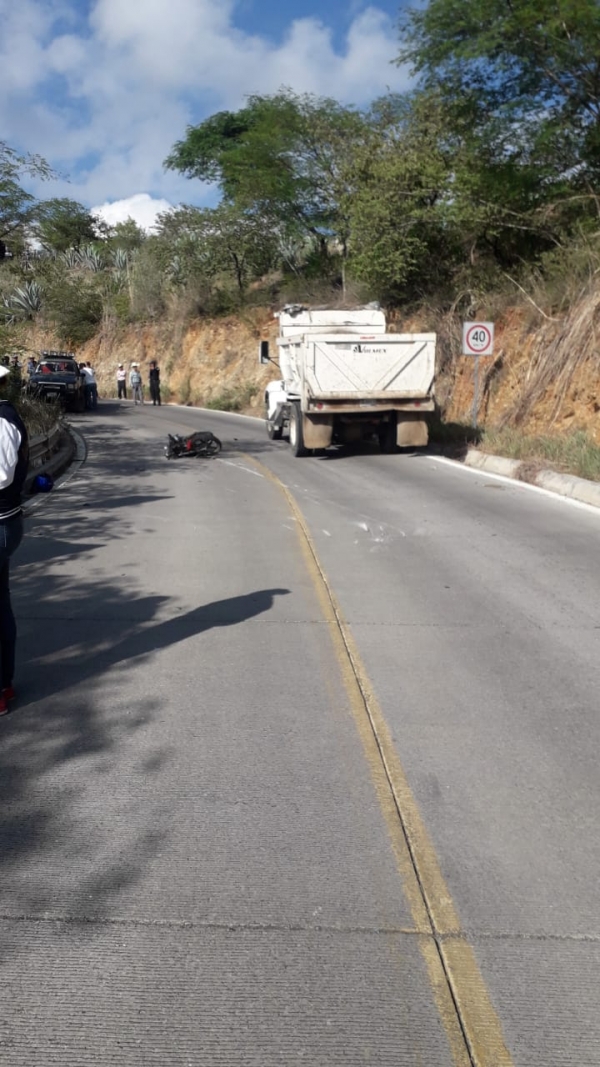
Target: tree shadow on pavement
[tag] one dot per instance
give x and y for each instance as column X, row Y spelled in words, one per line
column 82, row 816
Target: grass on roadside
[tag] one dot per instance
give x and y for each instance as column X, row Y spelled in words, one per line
column 572, row 453
column 236, row 399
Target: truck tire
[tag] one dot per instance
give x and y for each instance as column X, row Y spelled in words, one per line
column 296, row 434
column 273, row 432
column 387, row 436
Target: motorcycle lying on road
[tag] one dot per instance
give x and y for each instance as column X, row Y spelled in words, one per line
column 203, row 443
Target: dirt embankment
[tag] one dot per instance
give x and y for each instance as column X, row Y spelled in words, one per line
column 544, row 376
column 201, row 362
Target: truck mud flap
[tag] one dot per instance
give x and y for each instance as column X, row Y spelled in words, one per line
column 412, row 431
column 317, row 430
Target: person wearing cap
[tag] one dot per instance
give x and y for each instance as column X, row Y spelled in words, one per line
column 121, row 382
column 14, row 456
column 135, row 381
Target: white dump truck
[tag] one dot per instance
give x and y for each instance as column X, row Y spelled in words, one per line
column 343, row 378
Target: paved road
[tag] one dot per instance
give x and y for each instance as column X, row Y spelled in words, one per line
column 202, row 860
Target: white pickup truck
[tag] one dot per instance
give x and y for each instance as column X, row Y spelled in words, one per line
column 344, row 378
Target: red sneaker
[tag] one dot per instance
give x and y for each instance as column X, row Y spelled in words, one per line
column 9, row 693
column 3, row 705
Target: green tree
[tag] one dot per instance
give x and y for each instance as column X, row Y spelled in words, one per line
column 65, row 224
column 400, row 187
column 180, row 246
column 211, row 242
column 244, row 244
column 524, row 76
column 282, row 157
column 127, row 235
column 74, row 306
column 18, row 209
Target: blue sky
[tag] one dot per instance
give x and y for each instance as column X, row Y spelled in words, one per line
column 273, row 19
column 102, row 88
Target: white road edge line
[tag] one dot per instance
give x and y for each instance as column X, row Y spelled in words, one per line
column 215, row 411
column 515, row 483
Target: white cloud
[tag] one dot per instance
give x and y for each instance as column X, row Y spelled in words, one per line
column 133, row 77
column 141, row 207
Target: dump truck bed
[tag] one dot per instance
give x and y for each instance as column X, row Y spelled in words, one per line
column 346, row 366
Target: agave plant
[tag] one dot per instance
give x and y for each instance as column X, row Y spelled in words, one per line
column 120, row 259
column 23, row 303
column 174, row 270
column 71, row 258
column 91, row 259
column 115, row 282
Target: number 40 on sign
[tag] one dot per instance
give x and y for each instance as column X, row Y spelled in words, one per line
column 478, row 338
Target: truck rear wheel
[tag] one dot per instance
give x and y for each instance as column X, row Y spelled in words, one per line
column 296, row 433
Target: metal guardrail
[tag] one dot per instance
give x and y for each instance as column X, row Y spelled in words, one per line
column 43, row 446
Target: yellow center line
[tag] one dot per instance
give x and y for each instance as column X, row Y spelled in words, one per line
column 464, row 1005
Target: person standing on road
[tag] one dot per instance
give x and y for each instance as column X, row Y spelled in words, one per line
column 155, row 383
column 121, row 382
column 93, row 384
column 91, row 389
column 135, row 381
column 88, row 384
column 14, row 456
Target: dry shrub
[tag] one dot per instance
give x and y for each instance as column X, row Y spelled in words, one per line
column 559, row 349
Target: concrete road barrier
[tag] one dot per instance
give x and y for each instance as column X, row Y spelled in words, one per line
column 50, row 454
column 564, row 484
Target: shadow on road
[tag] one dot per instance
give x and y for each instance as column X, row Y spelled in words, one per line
column 132, row 636
column 71, row 731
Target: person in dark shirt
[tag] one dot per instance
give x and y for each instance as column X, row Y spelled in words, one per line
column 14, row 457
column 155, row 383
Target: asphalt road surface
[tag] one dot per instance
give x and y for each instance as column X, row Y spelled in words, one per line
column 304, row 764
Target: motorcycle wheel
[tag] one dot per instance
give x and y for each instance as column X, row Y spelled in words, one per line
column 212, row 448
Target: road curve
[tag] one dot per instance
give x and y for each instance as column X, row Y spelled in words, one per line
column 200, row 855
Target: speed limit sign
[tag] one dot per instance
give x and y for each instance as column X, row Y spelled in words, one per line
column 478, row 338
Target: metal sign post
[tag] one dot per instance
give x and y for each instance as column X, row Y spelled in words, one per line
column 477, row 340
column 475, row 393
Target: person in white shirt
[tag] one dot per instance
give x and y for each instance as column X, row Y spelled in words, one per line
column 93, row 383
column 121, row 382
column 89, row 383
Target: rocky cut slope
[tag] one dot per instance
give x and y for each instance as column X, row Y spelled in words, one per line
column 544, row 376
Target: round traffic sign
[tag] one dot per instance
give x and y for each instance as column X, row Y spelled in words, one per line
column 478, row 337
